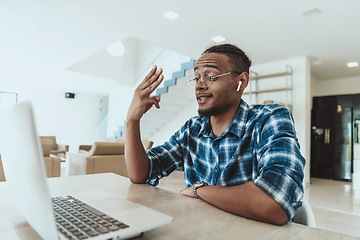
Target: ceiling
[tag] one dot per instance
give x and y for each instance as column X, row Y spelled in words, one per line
column 41, row 41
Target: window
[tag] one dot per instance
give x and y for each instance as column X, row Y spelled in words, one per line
column 7, row 98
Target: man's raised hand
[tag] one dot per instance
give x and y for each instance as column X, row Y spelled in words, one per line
column 142, row 101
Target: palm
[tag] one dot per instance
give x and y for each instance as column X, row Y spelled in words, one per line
column 142, row 101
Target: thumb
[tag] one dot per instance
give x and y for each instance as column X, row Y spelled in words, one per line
column 156, row 101
column 152, row 101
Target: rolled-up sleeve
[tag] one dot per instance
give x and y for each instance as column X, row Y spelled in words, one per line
column 280, row 163
column 164, row 159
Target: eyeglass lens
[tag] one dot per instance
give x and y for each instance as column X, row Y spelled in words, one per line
column 205, row 81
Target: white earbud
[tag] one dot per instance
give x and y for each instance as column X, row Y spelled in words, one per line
column 238, row 87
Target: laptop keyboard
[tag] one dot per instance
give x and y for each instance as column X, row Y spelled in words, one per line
column 77, row 220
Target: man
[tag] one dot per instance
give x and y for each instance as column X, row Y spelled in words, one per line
column 244, row 160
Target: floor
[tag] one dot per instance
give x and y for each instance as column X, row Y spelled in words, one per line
column 336, row 204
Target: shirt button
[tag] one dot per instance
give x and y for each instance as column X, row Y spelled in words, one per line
column 215, row 170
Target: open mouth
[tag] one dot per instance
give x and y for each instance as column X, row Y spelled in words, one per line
column 203, row 98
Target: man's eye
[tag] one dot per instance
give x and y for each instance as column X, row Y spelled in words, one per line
column 208, row 76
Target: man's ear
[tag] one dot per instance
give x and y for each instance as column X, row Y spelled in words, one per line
column 243, row 81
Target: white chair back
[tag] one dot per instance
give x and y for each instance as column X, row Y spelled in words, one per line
column 304, row 215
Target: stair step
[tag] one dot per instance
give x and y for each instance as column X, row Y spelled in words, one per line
column 175, row 97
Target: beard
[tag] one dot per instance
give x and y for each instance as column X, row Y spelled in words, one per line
column 212, row 111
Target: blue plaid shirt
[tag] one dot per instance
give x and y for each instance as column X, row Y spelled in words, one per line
column 260, row 145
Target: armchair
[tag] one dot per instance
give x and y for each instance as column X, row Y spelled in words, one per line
column 52, row 164
column 56, row 148
column 103, row 157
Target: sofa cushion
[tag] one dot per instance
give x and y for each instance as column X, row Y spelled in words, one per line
column 107, row 148
column 104, row 164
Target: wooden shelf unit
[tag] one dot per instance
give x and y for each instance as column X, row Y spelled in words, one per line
column 287, row 88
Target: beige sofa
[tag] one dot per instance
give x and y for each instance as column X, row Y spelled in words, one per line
column 52, row 164
column 103, row 157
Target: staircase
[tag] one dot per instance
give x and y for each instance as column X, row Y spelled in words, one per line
column 175, row 96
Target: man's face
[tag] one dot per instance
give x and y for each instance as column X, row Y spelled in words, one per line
column 221, row 96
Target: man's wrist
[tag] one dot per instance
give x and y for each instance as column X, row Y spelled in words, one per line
column 196, row 186
column 132, row 121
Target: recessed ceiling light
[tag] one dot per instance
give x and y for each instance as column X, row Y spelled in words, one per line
column 316, row 62
column 311, row 12
column 352, row 64
column 218, row 39
column 42, row 31
column 171, row 15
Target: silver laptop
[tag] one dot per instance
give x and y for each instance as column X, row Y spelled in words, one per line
column 51, row 218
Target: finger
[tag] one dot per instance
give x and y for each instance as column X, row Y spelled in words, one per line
column 153, row 79
column 149, row 75
column 151, row 102
column 151, row 87
column 157, row 102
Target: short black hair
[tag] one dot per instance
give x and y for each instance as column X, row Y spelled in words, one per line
column 241, row 63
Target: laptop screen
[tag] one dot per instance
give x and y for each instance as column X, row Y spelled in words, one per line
column 24, row 168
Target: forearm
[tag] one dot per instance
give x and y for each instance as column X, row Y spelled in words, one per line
column 246, row 200
column 135, row 156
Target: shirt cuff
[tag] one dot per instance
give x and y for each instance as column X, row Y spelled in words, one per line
column 288, row 194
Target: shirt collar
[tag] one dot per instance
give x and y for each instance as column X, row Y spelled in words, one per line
column 205, row 130
column 237, row 126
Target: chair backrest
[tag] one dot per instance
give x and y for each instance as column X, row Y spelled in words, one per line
column 46, row 146
column 86, row 148
column 107, row 148
column 53, row 139
column 2, row 174
column 304, row 215
column 146, row 143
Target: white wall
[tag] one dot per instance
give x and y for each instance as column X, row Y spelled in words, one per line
column 337, row 86
column 72, row 121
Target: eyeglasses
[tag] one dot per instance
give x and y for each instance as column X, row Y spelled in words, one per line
column 205, row 80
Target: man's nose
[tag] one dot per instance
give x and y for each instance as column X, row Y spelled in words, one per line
column 200, row 84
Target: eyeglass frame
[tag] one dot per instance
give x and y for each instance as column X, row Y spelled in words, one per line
column 190, row 79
